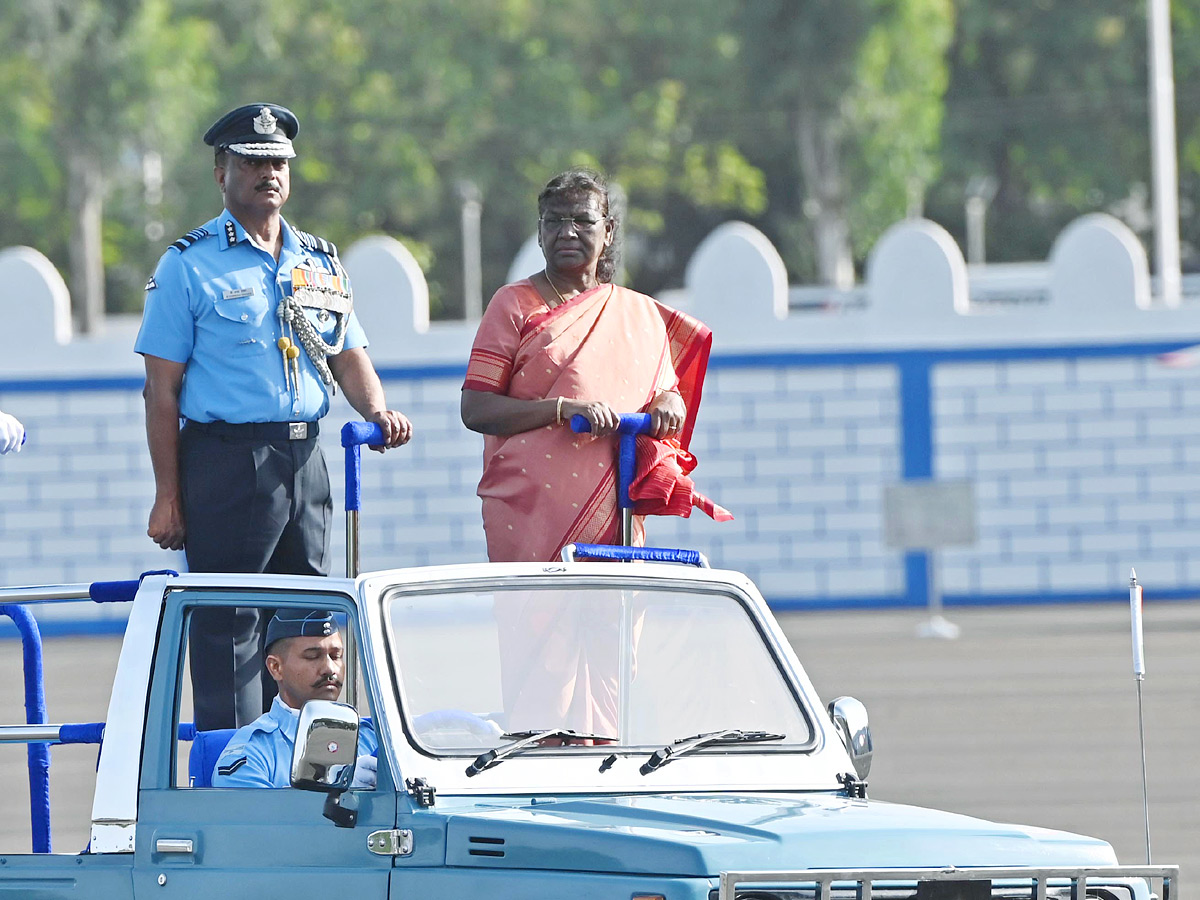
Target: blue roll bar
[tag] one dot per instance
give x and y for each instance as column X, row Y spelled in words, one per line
column 612, row 553
column 35, row 714
column 37, row 733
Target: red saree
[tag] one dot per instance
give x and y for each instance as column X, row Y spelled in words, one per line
column 545, row 488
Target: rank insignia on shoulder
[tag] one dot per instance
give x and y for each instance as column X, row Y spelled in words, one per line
column 230, row 233
column 312, row 242
column 232, row 767
column 190, row 238
column 151, row 284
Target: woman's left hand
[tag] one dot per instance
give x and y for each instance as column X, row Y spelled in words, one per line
column 667, row 415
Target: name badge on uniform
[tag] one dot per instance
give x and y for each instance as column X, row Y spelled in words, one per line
column 238, row 293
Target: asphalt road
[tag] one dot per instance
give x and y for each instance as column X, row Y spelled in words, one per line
column 1030, row 716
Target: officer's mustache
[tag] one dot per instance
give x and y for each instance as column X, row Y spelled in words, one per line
column 267, row 186
column 331, row 679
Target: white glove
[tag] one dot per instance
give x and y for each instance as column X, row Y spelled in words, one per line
column 12, row 433
column 366, row 769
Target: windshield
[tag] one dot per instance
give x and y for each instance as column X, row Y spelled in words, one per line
column 606, row 666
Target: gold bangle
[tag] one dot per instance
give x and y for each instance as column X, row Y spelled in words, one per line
column 558, row 412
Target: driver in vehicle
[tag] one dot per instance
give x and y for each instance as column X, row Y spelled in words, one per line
column 305, row 656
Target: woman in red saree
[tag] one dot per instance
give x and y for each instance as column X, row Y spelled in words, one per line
column 564, row 342
column 567, row 341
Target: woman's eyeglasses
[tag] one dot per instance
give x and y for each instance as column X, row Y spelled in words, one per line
column 556, row 223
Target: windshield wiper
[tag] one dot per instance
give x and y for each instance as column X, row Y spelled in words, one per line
column 660, row 758
column 526, row 740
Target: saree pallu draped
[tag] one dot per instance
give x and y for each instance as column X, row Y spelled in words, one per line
column 544, row 488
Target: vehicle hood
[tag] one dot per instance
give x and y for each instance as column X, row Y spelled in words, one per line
column 704, row 834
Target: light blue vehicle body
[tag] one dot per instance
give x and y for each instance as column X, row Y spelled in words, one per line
column 560, row 822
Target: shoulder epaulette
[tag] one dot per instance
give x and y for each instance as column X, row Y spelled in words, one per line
column 312, row 242
column 190, row 238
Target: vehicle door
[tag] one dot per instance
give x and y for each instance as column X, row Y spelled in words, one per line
column 205, row 842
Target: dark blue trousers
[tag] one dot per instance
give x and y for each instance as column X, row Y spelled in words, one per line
column 252, row 502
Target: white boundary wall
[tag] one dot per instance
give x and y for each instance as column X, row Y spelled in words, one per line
column 1076, row 429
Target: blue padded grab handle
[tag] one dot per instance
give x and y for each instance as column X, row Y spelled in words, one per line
column 631, row 425
column 112, row 591
column 354, row 435
column 121, row 591
column 650, row 554
column 85, row 733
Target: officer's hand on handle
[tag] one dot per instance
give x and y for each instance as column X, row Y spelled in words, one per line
column 166, row 523
column 366, row 773
column 396, row 428
column 12, row 434
column 667, row 415
column 602, row 417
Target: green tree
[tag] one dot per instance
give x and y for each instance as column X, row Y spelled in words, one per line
column 1049, row 100
column 848, row 97
column 416, row 99
column 107, row 84
column 31, row 182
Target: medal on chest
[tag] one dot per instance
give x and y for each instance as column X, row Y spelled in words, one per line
column 328, row 293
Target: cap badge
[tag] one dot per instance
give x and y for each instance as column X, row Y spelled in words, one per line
column 264, row 122
column 327, row 629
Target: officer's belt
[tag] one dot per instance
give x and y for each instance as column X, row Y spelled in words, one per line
column 259, row 431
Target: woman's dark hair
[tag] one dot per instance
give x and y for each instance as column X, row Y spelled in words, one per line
column 575, row 184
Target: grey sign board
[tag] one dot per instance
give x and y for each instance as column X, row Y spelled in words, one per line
column 927, row 514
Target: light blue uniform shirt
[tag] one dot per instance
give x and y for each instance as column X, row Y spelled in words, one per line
column 212, row 304
column 260, row 754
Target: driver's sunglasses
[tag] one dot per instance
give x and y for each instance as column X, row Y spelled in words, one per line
column 556, row 223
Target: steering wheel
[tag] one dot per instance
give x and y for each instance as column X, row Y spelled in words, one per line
column 453, row 727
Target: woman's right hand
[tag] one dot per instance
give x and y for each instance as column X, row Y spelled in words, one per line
column 602, row 417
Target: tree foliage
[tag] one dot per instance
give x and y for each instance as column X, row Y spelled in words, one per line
column 821, row 122
column 1050, row 101
column 96, row 85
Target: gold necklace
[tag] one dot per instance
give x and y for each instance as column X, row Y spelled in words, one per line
column 561, row 298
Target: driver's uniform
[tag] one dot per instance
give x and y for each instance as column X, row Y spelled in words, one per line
column 260, row 754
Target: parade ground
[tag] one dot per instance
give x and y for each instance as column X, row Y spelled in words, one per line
column 1029, row 716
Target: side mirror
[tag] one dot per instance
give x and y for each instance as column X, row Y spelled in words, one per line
column 850, row 719
column 324, row 756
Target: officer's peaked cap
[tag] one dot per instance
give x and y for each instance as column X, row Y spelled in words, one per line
column 289, row 623
column 256, row 130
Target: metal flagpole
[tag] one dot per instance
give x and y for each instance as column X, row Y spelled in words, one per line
column 1164, row 166
column 1139, row 675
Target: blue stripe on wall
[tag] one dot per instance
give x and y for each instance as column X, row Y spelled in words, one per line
column 816, row 358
